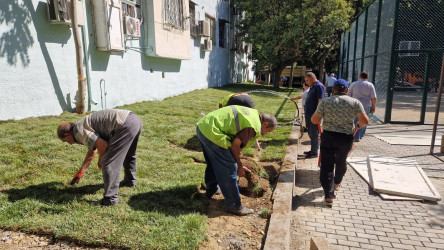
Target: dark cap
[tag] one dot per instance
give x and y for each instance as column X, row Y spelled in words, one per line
column 340, row 83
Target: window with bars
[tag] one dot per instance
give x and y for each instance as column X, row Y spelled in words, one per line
column 212, row 23
column 173, row 14
column 193, row 25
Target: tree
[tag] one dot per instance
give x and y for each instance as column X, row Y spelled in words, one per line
column 283, row 32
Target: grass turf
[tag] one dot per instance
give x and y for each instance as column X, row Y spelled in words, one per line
column 162, row 212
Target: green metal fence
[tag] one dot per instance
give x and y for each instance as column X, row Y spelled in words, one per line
column 401, row 44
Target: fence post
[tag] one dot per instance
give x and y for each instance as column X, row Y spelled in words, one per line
column 394, row 54
column 425, row 85
column 438, row 104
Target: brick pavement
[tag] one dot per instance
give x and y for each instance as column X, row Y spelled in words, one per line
column 360, row 219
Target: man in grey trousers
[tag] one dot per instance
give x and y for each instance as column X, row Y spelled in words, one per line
column 113, row 133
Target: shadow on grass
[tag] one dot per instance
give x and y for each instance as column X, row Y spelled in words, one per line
column 193, row 144
column 173, row 201
column 51, row 192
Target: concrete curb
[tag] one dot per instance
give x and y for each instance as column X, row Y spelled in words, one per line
column 278, row 234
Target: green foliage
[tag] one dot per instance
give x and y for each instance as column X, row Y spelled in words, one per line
column 161, row 212
column 284, row 32
column 264, row 213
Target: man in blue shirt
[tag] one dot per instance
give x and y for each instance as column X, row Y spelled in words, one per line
column 315, row 95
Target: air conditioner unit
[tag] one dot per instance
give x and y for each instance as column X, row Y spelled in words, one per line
column 204, row 28
column 132, row 26
column 207, row 45
column 59, row 12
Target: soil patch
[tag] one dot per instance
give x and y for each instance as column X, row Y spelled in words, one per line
column 227, row 231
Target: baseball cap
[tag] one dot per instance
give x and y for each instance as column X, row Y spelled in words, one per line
column 340, row 83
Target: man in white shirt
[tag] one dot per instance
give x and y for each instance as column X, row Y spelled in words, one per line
column 329, row 83
column 364, row 91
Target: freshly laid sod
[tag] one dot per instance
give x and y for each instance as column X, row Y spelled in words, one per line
column 164, row 210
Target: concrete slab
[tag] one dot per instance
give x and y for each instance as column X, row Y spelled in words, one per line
column 359, row 164
column 400, row 177
column 418, row 140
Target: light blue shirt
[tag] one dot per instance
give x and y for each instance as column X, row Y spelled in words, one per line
column 364, row 91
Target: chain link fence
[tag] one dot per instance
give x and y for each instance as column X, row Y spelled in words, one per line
column 401, row 44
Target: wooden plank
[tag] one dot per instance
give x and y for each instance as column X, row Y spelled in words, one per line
column 401, row 177
column 359, row 164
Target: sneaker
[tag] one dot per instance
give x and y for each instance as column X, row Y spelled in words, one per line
column 337, row 187
column 126, row 184
column 326, row 203
column 311, row 155
column 241, row 211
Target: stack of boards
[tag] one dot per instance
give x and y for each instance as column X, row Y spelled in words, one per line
column 395, row 178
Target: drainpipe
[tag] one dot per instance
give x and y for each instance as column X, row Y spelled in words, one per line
column 80, row 105
column 87, row 71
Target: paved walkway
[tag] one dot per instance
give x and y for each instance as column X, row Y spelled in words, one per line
column 360, row 219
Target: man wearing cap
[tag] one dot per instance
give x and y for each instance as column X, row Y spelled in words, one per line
column 223, row 133
column 364, row 91
column 315, row 95
column 338, row 113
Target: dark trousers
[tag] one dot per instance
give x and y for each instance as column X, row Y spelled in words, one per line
column 334, row 150
column 313, row 133
column 329, row 91
column 121, row 151
column 221, row 170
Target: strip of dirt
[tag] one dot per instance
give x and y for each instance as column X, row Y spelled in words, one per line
column 227, row 231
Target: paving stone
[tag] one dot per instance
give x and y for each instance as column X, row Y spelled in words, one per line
column 348, row 243
column 407, row 232
column 389, row 239
column 381, row 243
column 358, row 239
column 411, row 242
column 435, row 240
column 403, row 246
column 433, row 245
column 369, row 246
column 367, row 236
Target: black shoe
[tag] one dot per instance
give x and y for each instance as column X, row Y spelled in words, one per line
column 241, row 211
column 307, row 152
column 311, row 155
column 305, row 130
column 126, row 184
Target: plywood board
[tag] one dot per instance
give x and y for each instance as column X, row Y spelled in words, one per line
column 402, row 177
column 419, row 140
column 359, row 164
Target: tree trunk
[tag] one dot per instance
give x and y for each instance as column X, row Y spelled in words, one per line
column 277, row 76
column 290, row 83
column 321, row 71
column 80, row 105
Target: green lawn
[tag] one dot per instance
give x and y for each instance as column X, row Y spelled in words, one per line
column 162, row 212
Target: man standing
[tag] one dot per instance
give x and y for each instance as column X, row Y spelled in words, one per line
column 329, row 83
column 223, row 133
column 338, row 113
column 114, row 134
column 364, row 91
column 315, row 95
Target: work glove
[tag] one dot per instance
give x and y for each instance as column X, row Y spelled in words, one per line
column 77, row 177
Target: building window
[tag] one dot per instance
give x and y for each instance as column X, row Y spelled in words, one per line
column 212, row 22
column 173, row 14
column 222, row 35
column 193, row 25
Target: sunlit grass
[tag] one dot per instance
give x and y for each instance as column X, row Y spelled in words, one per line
column 162, row 212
